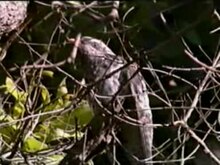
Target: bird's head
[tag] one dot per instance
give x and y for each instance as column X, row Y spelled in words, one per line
column 89, row 48
column 93, row 57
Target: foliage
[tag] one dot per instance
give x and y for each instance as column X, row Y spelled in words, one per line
column 39, row 128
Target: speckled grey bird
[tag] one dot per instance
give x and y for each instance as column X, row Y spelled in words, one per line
column 123, row 93
column 12, row 14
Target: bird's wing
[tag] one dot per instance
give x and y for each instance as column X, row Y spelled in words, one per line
column 137, row 139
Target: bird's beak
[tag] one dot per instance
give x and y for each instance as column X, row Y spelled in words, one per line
column 71, row 40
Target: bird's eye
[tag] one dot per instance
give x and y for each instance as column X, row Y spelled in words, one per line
column 95, row 45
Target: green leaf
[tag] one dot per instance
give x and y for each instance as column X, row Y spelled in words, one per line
column 8, row 133
column 18, row 109
column 45, row 95
column 48, row 73
column 11, row 88
column 64, row 126
column 31, row 144
column 62, row 89
column 61, row 133
column 43, row 131
column 83, row 114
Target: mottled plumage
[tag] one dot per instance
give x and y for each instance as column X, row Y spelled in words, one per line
column 123, row 93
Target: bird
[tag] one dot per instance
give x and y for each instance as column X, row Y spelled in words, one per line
column 119, row 98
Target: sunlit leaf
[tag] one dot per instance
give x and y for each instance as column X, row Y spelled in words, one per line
column 61, row 133
column 11, row 88
column 31, row 144
column 18, row 109
column 62, row 89
column 48, row 73
column 45, row 95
